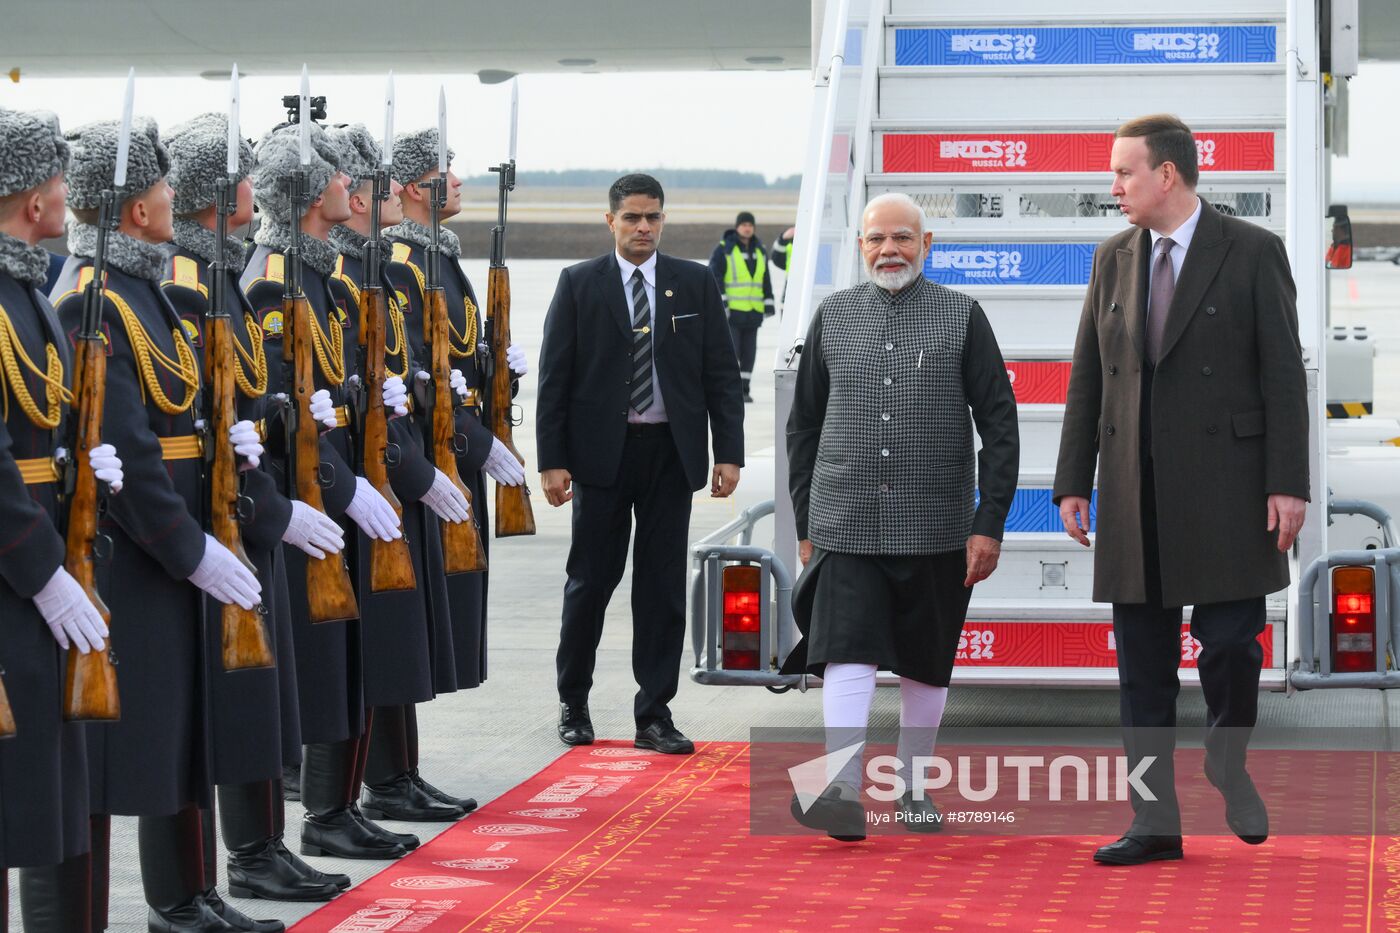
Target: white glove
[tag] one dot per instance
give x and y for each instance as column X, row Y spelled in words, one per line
column 396, row 396
column 372, row 512
column 70, row 614
column 244, row 438
column 313, row 531
column 106, row 466
column 516, row 359
column 223, row 576
column 458, row 383
column 446, row 499
column 322, row 409
column 502, row 466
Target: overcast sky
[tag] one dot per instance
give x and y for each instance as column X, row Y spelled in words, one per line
column 755, row 121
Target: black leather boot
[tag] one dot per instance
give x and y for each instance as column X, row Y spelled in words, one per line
column 255, row 868
column 408, row 841
column 236, row 918
column 171, row 853
column 279, row 830
column 401, row 799
column 291, row 782
column 100, row 835
column 410, row 734
column 331, row 826
column 57, row 898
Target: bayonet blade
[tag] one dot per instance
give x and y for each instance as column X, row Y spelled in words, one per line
column 386, row 156
column 124, row 134
column 304, row 118
column 514, row 114
column 442, row 130
column 233, row 129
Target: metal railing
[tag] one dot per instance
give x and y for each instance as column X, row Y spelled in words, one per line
column 1314, row 669
column 708, row 556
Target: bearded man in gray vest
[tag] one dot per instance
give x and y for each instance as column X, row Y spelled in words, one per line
column 893, row 376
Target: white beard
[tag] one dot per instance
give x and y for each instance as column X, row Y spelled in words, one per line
column 892, row 280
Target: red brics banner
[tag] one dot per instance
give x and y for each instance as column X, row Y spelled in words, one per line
column 1057, row 152
column 985, row 643
column 1038, row 382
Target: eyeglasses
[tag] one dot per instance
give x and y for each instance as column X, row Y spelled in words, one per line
column 902, row 240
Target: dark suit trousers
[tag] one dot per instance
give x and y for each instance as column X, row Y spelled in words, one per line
column 1149, row 644
column 651, row 482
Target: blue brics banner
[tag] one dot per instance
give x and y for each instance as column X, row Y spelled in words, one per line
column 1088, row 45
column 955, row 264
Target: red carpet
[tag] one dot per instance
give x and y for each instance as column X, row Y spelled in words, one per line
column 611, row 838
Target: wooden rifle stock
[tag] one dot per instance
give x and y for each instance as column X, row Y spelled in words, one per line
column 329, row 595
column 247, row 643
column 463, row 551
column 514, row 516
column 7, row 716
column 90, row 689
column 390, row 562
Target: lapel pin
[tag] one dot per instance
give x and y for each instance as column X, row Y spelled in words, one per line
column 669, row 293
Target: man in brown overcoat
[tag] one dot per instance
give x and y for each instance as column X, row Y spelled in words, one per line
column 1188, row 389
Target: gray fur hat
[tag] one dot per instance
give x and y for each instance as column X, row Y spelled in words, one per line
column 95, row 160
column 199, row 157
column 34, row 150
column 415, row 155
column 359, row 153
column 279, row 158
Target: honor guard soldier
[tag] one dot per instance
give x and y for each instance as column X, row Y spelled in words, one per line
column 329, row 681
column 43, row 762
column 152, row 763
column 407, row 633
column 416, row 167
column 254, row 720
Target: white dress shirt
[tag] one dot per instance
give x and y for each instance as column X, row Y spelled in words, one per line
column 656, row 412
column 1181, row 239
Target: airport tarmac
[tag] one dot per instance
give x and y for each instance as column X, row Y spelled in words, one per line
column 484, row 741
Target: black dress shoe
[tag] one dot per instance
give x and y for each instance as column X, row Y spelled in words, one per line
column 236, row 918
column 340, row 834
column 468, row 804
column 918, row 815
column 262, row 872
column 193, row 916
column 1245, row 812
column 291, row 782
column 664, row 737
column 407, row 840
column 841, row 817
column 401, row 799
column 314, row 875
column 575, row 728
column 1138, row 850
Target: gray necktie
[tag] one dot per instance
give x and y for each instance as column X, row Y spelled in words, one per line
column 1160, row 301
column 642, row 391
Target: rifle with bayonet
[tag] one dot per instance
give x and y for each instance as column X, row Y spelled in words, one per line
column 390, row 562
column 514, row 516
column 247, row 644
column 462, row 549
column 329, row 595
column 90, row 687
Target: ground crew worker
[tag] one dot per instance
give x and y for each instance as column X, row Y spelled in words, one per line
column 740, row 266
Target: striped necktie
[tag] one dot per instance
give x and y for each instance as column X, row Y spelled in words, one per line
column 642, row 390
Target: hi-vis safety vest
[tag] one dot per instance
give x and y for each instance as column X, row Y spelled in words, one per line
column 743, row 291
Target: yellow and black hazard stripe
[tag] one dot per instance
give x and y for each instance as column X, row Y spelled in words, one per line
column 1348, row 409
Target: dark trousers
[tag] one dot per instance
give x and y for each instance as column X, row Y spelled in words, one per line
column 1149, row 642
column 745, row 337
column 652, row 484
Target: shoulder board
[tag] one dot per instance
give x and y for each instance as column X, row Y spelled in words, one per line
column 349, row 283
column 184, row 272
column 84, row 277
column 276, row 269
column 402, row 251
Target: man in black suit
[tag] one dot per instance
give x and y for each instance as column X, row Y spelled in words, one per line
column 636, row 360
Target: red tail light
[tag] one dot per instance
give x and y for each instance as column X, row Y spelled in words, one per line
column 1353, row 619
column 743, row 613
